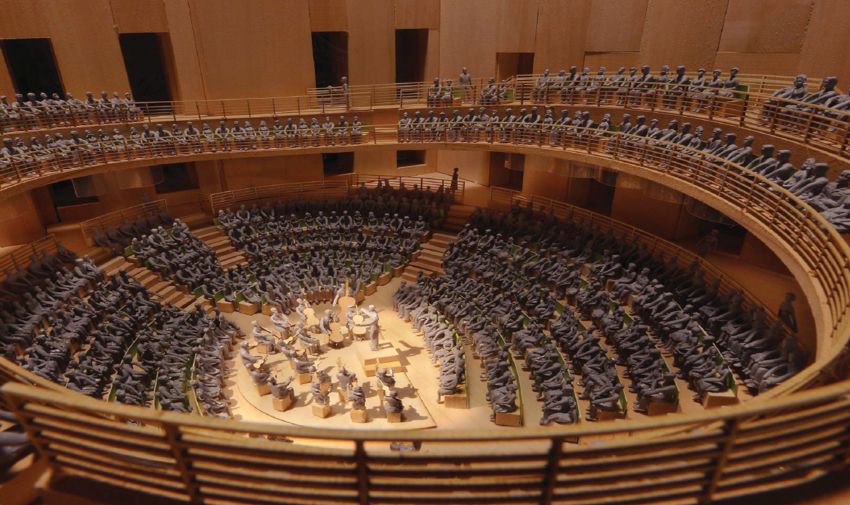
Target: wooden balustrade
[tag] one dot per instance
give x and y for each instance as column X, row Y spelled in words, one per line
column 115, row 218
column 717, row 454
column 752, row 106
column 329, row 188
column 19, row 257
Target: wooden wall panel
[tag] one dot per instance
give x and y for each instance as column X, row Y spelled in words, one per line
column 7, row 88
column 765, row 26
column 759, row 63
column 682, row 32
column 85, row 45
column 188, row 80
column 139, row 16
column 328, row 15
column 23, row 19
column 464, row 42
column 20, row 221
column 615, row 25
column 545, row 176
column 561, row 34
column 517, row 25
column 827, row 40
column 612, row 61
column 417, row 14
column 257, row 48
column 376, row 162
column 371, row 42
column 432, row 56
column 247, row 172
column 473, row 165
column 657, row 217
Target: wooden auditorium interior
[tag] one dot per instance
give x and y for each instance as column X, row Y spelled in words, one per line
column 424, row 251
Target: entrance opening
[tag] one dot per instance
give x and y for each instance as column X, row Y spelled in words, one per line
column 411, row 48
column 146, row 63
column 32, row 66
column 330, row 57
column 510, row 64
column 338, row 163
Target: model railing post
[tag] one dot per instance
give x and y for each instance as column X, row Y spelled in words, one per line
column 183, row 466
column 550, row 471
column 715, row 473
column 360, row 458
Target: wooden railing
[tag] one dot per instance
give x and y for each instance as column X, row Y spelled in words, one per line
column 330, row 188
column 325, row 189
column 20, row 257
column 431, row 184
column 752, row 106
column 714, row 455
column 117, row 217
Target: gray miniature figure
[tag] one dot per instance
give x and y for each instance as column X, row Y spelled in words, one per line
column 392, row 403
column 358, row 398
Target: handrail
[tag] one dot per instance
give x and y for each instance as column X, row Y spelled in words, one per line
column 20, row 257
column 115, row 218
column 727, row 452
column 754, row 106
column 324, row 189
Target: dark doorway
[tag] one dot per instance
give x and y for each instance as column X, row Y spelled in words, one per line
column 338, row 163
column 506, row 170
column 411, row 48
column 511, row 64
column 409, row 158
column 146, row 65
column 71, row 192
column 32, row 66
column 330, row 57
column 174, row 177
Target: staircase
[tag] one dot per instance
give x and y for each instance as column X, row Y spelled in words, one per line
column 430, row 260
column 215, row 238
column 164, row 290
column 457, row 217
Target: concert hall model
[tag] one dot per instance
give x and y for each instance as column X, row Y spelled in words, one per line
column 424, row 252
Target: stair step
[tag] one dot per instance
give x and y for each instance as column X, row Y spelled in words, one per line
column 224, row 251
column 185, row 301
column 167, row 290
column 114, row 265
column 156, row 287
column 230, row 254
column 197, row 220
column 148, row 278
column 236, row 260
column 430, row 246
column 206, row 231
column 217, row 241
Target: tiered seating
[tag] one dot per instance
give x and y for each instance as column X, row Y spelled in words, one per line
column 692, row 312
column 106, row 337
column 310, row 249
